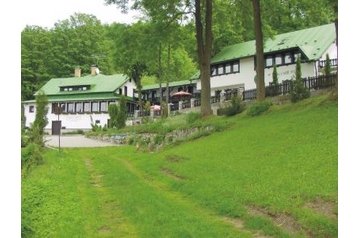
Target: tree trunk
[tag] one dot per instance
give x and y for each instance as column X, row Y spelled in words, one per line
column 336, row 25
column 167, row 75
column 160, row 71
column 260, row 70
column 204, row 45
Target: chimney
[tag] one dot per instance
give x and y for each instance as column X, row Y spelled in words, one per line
column 94, row 69
column 77, row 71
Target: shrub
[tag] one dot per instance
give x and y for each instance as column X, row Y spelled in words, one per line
column 30, row 156
column 258, row 108
column 236, row 106
column 192, row 117
column 298, row 90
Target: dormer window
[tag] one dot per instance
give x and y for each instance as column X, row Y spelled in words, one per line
column 75, row 88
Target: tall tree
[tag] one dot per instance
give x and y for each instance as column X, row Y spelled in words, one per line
column 204, row 37
column 260, row 67
column 35, row 56
column 173, row 10
column 80, row 41
column 41, row 121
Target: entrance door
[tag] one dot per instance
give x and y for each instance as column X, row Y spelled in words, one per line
column 56, row 128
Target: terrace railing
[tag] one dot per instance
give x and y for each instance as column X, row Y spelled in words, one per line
column 312, row 83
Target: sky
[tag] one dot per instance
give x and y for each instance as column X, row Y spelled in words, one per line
column 46, row 13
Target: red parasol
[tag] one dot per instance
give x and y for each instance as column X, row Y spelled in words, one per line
column 155, row 107
column 181, row 94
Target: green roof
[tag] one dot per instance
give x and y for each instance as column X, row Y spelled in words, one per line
column 171, row 84
column 98, row 84
column 312, row 42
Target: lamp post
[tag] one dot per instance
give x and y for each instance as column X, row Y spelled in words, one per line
column 58, row 111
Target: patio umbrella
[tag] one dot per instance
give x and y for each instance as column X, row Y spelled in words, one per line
column 155, row 107
column 181, row 94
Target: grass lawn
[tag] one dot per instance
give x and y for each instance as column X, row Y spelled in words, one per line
column 275, row 175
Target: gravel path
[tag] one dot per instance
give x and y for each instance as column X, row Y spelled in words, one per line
column 66, row 141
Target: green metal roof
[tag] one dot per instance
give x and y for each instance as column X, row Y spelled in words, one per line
column 82, row 97
column 312, row 42
column 99, row 84
column 171, row 84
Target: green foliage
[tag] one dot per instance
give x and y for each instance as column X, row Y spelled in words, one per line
column 122, row 114
column 113, row 111
column 236, row 106
column 298, row 90
column 258, row 108
column 191, row 117
column 75, row 132
column 36, row 132
column 31, row 156
column 274, row 75
column 147, row 106
column 327, row 66
column 118, row 114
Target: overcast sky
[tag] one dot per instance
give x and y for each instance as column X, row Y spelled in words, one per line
column 46, row 13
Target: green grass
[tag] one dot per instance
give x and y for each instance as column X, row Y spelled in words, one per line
column 274, row 175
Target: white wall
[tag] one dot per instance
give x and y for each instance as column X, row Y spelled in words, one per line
column 70, row 121
column 247, row 74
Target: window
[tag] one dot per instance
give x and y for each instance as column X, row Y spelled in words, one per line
column 220, row 69
column 70, row 107
column 95, row 107
column 213, row 71
column 269, row 61
column 75, row 88
column 86, row 107
column 104, row 106
column 125, row 90
column 235, row 67
column 296, row 56
column 63, row 107
column 32, row 109
column 79, row 107
column 288, row 58
column 227, row 68
column 278, row 59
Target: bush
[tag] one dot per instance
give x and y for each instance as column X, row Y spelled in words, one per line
column 234, row 108
column 30, row 156
column 258, row 108
column 298, row 91
column 192, row 117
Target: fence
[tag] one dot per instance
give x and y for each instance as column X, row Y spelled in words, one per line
column 312, row 83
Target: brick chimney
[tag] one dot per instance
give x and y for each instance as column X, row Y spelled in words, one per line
column 77, row 71
column 94, row 69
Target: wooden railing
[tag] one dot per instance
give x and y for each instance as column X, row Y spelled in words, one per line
column 312, row 83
